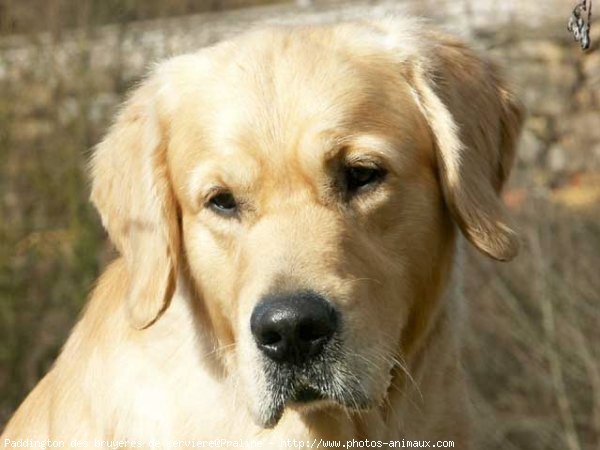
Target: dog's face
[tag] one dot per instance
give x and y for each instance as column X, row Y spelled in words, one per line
column 307, row 181
column 310, row 212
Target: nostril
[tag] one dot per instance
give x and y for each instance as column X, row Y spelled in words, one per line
column 270, row 338
column 310, row 332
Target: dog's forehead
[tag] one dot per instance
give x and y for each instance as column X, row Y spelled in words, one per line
column 291, row 95
column 273, row 94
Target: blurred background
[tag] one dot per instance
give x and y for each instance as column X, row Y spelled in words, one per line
column 533, row 353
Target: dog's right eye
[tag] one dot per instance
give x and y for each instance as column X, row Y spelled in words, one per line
column 223, row 203
column 358, row 178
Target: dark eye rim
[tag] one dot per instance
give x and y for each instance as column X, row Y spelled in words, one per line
column 223, row 202
column 361, row 177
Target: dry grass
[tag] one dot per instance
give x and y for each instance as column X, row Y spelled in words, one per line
column 533, row 352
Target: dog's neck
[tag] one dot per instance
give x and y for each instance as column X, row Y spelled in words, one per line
column 433, row 362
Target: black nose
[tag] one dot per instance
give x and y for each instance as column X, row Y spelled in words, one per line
column 293, row 327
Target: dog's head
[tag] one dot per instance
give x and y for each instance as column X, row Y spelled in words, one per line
column 308, row 181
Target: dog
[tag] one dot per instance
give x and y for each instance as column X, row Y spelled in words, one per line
column 289, row 208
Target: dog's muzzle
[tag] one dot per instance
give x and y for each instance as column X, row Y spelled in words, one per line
column 298, row 335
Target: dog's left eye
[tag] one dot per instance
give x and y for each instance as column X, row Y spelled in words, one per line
column 359, row 177
column 223, row 203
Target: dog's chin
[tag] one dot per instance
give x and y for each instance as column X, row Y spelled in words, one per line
column 272, row 406
column 305, row 400
column 268, row 416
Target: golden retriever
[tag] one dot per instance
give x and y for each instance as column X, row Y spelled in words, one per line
column 287, row 207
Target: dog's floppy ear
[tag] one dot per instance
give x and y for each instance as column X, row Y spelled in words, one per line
column 475, row 123
column 131, row 189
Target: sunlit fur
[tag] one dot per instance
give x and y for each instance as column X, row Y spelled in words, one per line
column 164, row 350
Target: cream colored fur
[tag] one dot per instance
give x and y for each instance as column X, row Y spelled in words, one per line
column 163, row 351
